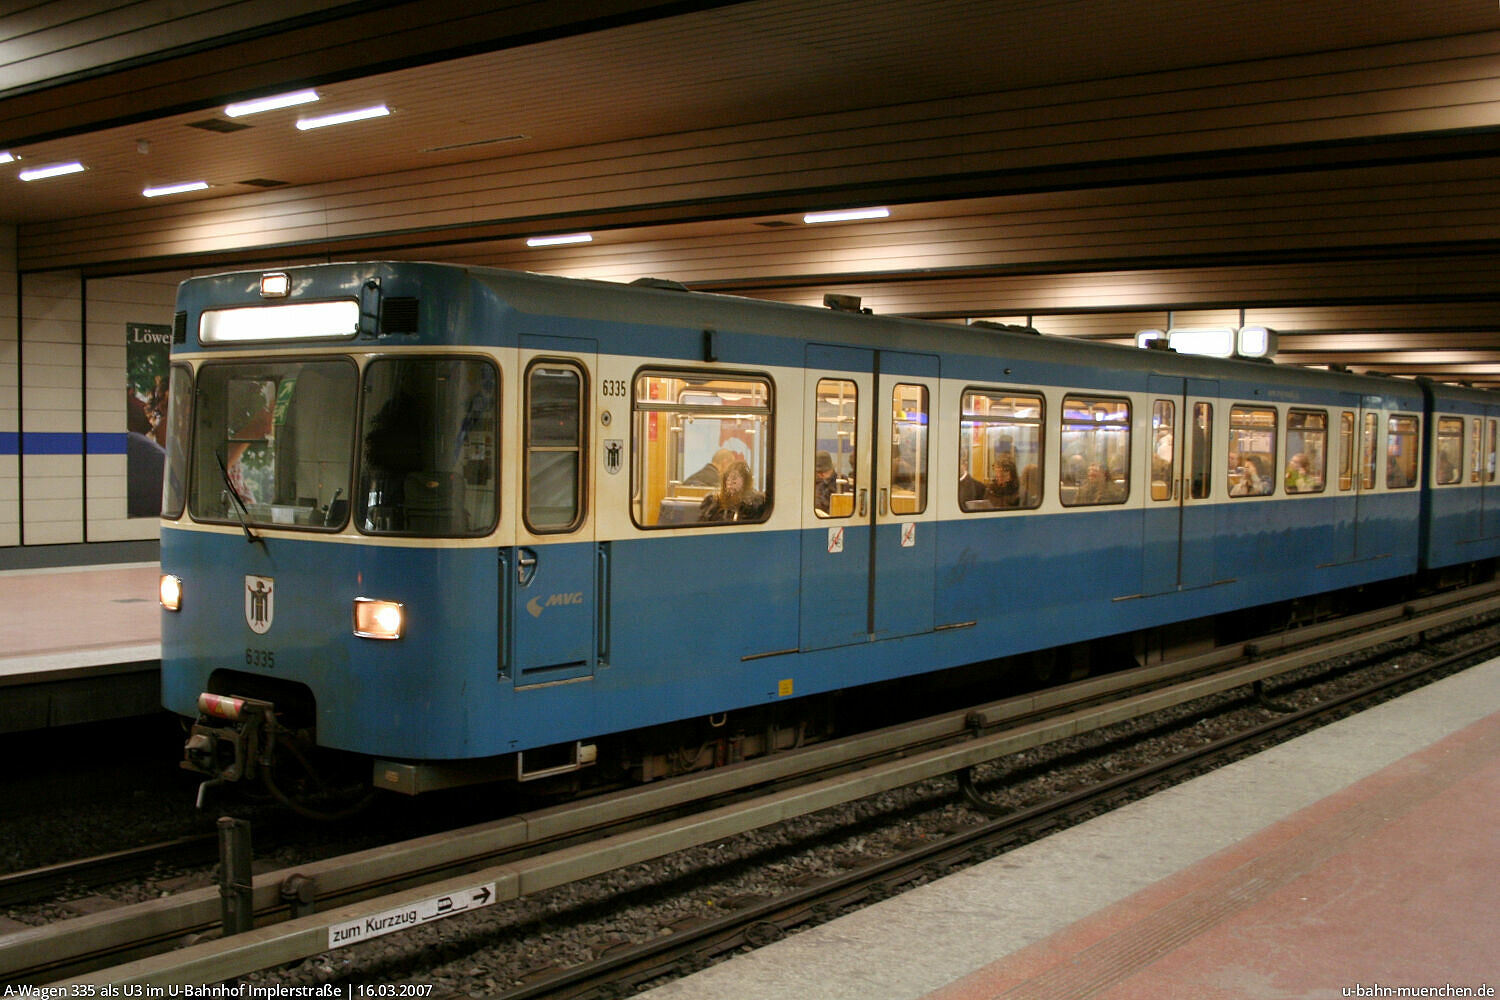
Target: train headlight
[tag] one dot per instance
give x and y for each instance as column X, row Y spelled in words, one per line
column 171, row 592
column 378, row 619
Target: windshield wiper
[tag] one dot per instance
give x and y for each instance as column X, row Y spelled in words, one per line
column 240, row 510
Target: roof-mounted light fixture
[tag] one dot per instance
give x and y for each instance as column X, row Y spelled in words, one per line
column 1213, row 342
column 846, row 215
column 158, row 192
column 7, row 157
column 560, row 241
column 55, row 170
column 343, row 117
column 289, row 100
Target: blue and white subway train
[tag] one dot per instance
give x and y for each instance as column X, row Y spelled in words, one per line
column 458, row 524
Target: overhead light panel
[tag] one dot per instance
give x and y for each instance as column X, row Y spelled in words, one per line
column 6, row 158
column 55, row 170
column 343, row 117
column 558, row 241
column 1214, row 342
column 255, row 107
column 157, row 192
column 847, row 215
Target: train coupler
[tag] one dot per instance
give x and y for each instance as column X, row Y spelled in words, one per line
column 230, row 740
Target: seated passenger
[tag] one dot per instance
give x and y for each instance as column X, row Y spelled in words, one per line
column 1252, row 483
column 1004, row 490
column 736, row 499
column 1095, row 488
column 709, row 474
column 1031, row 486
column 1448, row 471
column 1299, row 478
column 823, row 481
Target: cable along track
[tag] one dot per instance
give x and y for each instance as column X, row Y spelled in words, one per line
column 533, row 852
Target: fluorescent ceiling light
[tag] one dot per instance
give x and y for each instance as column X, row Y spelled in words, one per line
column 6, row 158
column 255, row 107
column 378, row 111
column 557, row 241
column 157, row 192
column 847, row 215
column 56, row 170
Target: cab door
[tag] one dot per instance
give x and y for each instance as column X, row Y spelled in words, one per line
column 553, row 574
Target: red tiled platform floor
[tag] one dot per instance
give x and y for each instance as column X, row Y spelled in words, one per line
column 55, row 611
column 1393, row 882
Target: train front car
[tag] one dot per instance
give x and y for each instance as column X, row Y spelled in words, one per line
column 329, row 569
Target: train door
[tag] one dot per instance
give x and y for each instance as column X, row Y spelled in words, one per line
column 869, row 561
column 1487, row 445
column 553, row 573
column 836, row 508
column 1366, row 541
column 1179, row 523
column 903, row 550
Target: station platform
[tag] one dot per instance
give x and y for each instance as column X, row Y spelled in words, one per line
column 1358, row 860
column 78, row 644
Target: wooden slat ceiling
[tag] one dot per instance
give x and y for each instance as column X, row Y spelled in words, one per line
column 1324, row 167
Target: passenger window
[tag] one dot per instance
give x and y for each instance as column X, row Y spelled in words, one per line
column 1401, row 451
column 834, row 431
column 700, row 449
column 1095, row 448
column 1252, row 451
column 555, row 395
column 1450, row 450
column 1367, row 442
column 1163, row 450
column 1307, row 451
column 1199, row 485
column 1000, row 451
column 908, row 449
column 1346, row 451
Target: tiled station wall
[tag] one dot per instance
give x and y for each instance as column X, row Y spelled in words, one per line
column 63, row 402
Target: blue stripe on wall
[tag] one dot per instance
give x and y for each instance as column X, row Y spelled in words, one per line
column 61, row 443
column 55, row 443
column 106, row 444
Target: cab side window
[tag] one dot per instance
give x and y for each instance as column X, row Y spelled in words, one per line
column 554, row 473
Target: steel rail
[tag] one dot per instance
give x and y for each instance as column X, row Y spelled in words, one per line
column 25, row 886
column 355, row 884
column 697, row 944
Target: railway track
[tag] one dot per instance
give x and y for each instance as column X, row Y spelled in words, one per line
column 300, row 913
column 696, row 944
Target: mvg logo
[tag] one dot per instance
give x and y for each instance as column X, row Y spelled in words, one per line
column 536, row 605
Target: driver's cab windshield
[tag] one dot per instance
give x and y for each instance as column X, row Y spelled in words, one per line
column 273, row 443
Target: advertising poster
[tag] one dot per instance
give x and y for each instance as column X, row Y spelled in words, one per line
column 147, row 346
